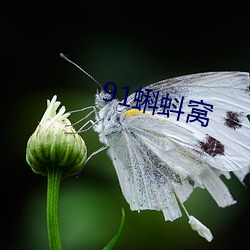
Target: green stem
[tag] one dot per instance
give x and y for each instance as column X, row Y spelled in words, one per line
column 54, row 177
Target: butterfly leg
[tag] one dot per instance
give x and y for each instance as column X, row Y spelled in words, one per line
column 91, row 155
column 83, row 129
column 96, row 152
column 86, row 116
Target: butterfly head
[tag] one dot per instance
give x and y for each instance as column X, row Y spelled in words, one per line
column 99, row 99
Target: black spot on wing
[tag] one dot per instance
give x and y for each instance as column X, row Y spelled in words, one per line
column 212, row 146
column 191, row 181
column 233, row 119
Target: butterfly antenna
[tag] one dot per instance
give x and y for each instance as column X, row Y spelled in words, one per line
column 68, row 60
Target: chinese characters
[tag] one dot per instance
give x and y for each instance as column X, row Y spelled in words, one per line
column 147, row 99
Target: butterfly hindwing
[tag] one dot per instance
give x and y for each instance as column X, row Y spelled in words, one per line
column 141, row 182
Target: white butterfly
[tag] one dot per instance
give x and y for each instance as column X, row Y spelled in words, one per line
column 160, row 159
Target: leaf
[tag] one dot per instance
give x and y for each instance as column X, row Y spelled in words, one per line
column 117, row 234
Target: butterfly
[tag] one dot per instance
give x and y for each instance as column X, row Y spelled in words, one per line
column 161, row 158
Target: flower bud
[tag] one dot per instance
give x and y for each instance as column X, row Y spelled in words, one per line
column 55, row 144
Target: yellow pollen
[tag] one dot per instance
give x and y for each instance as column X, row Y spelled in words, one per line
column 135, row 112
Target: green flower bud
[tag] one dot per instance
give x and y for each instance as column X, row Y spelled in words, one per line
column 55, row 144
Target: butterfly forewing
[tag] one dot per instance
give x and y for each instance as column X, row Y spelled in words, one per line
column 226, row 122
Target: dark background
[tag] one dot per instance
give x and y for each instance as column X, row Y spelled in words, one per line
column 132, row 44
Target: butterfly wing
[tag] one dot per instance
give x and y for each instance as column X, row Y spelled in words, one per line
column 157, row 157
column 141, row 184
column 225, row 141
column 153, row 168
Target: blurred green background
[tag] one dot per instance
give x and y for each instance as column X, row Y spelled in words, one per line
column 131, row 44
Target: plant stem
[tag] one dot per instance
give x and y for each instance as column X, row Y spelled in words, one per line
column 54, row 177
